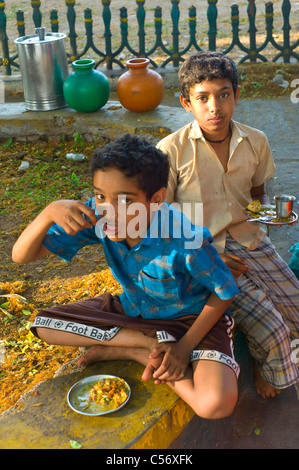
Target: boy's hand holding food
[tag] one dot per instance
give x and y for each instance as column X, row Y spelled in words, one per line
column 72, row 216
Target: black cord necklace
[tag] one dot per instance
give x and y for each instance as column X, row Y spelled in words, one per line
column 218, row 141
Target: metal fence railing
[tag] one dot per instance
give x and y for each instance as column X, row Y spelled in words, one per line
column 174, row 53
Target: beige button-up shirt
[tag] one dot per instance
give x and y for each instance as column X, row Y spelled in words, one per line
column 197, row 176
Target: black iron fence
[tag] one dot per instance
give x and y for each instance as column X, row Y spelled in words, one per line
column 173, row 53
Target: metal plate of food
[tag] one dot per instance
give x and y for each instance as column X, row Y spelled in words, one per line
column 267, row 215
column 98, row 395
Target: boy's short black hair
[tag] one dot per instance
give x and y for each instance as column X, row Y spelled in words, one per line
column 205, row 66
column 135, row 157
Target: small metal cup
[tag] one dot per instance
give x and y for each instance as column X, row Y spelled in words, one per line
column 284, row 205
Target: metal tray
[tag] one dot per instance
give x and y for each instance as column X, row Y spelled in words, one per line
column 82, row 385
column 271, row 218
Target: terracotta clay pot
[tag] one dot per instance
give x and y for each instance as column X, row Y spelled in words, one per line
column 140, row 89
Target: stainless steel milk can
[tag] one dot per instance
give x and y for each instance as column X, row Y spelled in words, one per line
column 43, row 64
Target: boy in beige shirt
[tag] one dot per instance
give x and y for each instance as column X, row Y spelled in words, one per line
column 224, row 165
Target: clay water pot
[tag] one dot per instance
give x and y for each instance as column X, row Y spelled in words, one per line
column 86, row 89
column 140, row 89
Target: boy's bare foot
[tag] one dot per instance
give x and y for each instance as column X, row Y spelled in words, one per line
column 113, row 353
column 93, row 354
column 148, row 372
column 262, row 387
column 151, row 367
column 100, row 353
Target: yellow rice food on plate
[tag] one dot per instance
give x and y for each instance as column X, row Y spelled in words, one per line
column 111, row 391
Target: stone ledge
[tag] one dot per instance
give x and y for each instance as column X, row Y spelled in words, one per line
column 109, row 122
column 152, row 419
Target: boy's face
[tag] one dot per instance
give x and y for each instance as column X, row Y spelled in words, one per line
column 212, row 105
column 125, row 207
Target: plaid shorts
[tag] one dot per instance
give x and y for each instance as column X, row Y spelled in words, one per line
column 267, row 311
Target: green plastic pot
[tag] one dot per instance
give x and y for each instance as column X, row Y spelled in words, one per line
column 86, row 89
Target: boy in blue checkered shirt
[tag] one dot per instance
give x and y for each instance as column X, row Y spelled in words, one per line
column 172, row 315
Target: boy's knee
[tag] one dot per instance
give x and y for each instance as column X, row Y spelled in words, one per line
column 217, row 404
column 47, row 335
column 41, row 333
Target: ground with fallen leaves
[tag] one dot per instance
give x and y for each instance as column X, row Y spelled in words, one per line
column 24, row 290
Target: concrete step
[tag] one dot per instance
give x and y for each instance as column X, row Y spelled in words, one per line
column 153, row 417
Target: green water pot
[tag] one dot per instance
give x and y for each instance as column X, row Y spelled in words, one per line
column 86, row 89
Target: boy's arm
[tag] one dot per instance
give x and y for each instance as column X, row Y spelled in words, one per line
column 177, row 355
column 173, row 175
column 259, row 192
column 236, row 264
column 67, row 214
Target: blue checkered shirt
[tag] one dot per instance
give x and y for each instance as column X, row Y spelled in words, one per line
column 162, row 277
